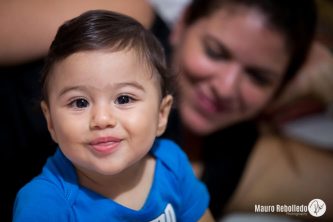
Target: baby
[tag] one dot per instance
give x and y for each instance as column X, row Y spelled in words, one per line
column 106, row 97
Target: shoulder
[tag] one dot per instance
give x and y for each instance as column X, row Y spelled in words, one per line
column 169, row 153
column 173, row 159
column 49, row 195
column 192, row 193
column 162, row 145
column 40, row 200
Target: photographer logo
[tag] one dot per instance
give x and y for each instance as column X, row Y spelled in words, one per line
column 317, row 207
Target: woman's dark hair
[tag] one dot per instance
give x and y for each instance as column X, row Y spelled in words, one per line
column 106, row 30
column 296, row 20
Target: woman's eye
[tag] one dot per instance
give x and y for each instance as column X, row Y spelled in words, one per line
column 259, row 78
column 79, row 103
column 215, row 54
column 123, row 100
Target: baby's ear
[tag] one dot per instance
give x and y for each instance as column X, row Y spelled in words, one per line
column 47, row 115
column 164, row 112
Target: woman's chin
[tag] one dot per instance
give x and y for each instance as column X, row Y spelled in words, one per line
column 197, row 123
column 204, row 125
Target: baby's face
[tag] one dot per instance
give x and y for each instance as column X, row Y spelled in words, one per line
column 105, row 109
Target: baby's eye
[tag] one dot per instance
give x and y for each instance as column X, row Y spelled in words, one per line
column 123, row 99
column 79, row 103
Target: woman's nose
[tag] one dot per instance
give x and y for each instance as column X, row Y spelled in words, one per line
column 102, row 117
column 227, row 80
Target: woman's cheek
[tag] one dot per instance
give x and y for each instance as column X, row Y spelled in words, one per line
column 255, row 99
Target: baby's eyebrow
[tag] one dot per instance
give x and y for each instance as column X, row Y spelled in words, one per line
column 133, row 84
column 72, row 88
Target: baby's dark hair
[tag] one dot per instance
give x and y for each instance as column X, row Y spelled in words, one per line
column 111, row 31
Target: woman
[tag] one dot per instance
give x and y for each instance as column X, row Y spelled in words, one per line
column 233, row 58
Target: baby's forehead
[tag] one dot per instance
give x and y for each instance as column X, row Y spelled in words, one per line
column 120, row 64
column 129, row 59
column 142, row 55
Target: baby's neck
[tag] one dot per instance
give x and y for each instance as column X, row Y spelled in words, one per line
column 135, row 181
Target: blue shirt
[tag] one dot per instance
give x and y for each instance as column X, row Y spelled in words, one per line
column 55, row 195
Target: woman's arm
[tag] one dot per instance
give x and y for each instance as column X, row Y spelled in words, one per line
column 207, row 217
column 28, row 27
column 285, row 171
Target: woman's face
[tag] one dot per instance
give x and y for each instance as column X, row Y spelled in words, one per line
column 230, row 65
